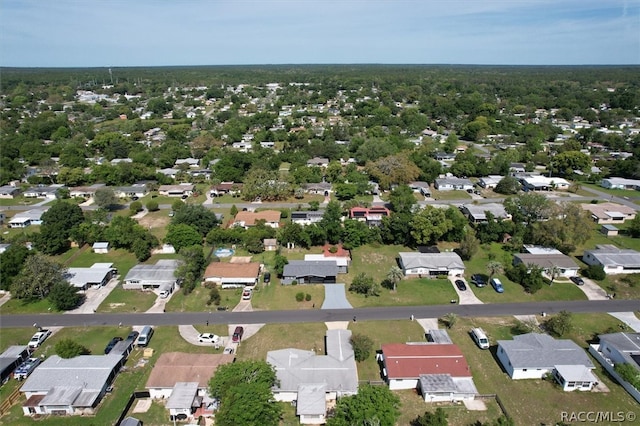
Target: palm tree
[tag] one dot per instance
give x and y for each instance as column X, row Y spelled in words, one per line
column 395, row 275
column 554, row 272
column 493, row 268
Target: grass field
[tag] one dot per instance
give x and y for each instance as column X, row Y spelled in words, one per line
column 306, row 336
column 450, row 195
column 279, row 297
column 196, row 301
column 411, row 292
column 121, row 300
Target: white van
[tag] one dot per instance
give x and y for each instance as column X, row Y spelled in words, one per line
column 145, row 335
column 480, row 337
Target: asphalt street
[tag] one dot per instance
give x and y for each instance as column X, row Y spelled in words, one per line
column 317, row 315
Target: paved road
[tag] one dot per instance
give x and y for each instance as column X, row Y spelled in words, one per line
column 364, row 314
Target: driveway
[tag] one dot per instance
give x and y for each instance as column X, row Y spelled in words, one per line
column 335, row 297
column 592, row 290
column 94, row 296
column 628, row 318
column 465, row 297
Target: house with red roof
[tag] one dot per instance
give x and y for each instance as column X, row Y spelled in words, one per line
column 439, row 371
column 371, row 215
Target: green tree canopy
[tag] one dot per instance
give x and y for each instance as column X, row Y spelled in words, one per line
column 64, row 296
column 256, row 373
column 182, row 235
column 105, row 198
column 197, row 216
column 362, row 346
column 37, row 277
column 429, row 224
column 372, row 405
column 68, row 348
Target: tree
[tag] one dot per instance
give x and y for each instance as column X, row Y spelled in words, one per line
column 372, row 405
column 529, row 207
column 11, row 262
column 197, row 216
column 182, row 235
column 494, row 267
column 508, row 185
column 595, row 272
column 135, row 207
column 628, row 373
column 437, row 418
column 152, row 205
column 37, row 277
column 560, row 324
column 565, row 230
column 68, row 348
column 249, row 404
column 105, row 198
column 331, row 222
column 356, row 234
column 469, row 245
column 278, row 263
column 190, row 271
column 402, row 199
column 57, row 225
column 241, row 372
column 64, row 296
column 266, row 185
column 395, row 275
column 364, row 284
column 449, row 320
column 234, row 211
column 394, row 169
column 362, row 346
column 429, row 224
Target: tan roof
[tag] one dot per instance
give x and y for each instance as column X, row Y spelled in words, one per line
column 601, row 209
column 240, row 259
column 232, row 270
column 173, row 367
column 250, row 218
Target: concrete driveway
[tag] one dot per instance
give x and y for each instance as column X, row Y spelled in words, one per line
column 592, row 290
column 94, row 296
column 465, row 297
column 335, row 297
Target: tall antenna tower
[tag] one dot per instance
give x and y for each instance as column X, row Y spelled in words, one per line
column 111, row 75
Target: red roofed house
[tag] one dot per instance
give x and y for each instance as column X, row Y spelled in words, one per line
column 372, row 215
column 440, row 371
column 232, row 275
column 247, row 219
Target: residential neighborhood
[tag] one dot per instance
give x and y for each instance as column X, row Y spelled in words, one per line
column 287, row 212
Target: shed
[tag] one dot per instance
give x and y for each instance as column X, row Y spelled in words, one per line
column 101, row 247
column 609, row 230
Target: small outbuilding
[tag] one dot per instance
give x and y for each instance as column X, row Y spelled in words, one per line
column 101, row 247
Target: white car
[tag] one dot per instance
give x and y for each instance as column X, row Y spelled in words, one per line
column 208, row 338
column 246, row 294
column 39, row 338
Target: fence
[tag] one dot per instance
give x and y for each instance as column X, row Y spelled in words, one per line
column 496, row 398
column 6, row 405
column 135, row 395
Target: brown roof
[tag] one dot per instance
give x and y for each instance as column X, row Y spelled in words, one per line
column 410, row 361
column 250, row 218
column 232, row 270
column 342, row 252
column 173, row 367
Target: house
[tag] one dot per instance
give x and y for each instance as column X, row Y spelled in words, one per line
column 223, row 188
column 439, row 370
column 247, row 219
column 242, row 146
column 321, row 188
column 97, row 275
column 416, row 264
column 607, row 213
column 620, row 183
column 308, row 217
column 182, row 190
column 8, row 191
column 565, row 265
column 310, row 272
column 100, row 247
column 543, row 183
column 130, row 421
column 147, row 277
column 270, row 244
column 613, row 259
column 422, row 187
column 371, row 215
column 341, row 257
column 27, row 218
column 232, row 275
column 315, row 380
column 71, row 386
column 453, row 183
column 318, row 162
column 490, row 182
column 85, row 191
column 609, row 230
column 188, row 162
column 618, row 348
column 477, row 213
column 11, row 358
column 516, row 168
column 169, row 172
column 186, row 387
column 534, row 355
column 139, row 190
column 41, row 191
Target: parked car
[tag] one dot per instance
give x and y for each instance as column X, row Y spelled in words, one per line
column 111, row 344
column 478, row 280
column 133, row 336
column 246, row 294
column 26, row 368
column 461, row 285
column 208, row 338
column 228, row 351
column 577, row 280
column 480, row 337
column 497, row 285
column 237, row 334
column 267, row 277
column 39, row 338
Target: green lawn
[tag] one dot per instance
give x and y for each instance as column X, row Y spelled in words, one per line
column 196, row 301
column 373, row 260
column 121, row 300
column 306, row 336
column 15, row 306
column 450, row 195
column 279, row 297
column 20, row 201
column 537, row 401
column 413, row 292
column 614, row 192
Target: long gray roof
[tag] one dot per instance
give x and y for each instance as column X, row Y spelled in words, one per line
column 446, row 260
column 337, row 370
column 182, row 395
column 624, row 342
column 312, row 399
column 610, row 255
column 535, row 350
column 547, row 260
column 305, row 268
column 163, row 270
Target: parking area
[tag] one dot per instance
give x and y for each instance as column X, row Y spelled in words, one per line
column 465, row 297
column 335, row 297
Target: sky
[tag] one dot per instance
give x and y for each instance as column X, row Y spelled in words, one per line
column 110, row 33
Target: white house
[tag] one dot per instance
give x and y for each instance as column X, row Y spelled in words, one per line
column 613, row 259
column 534, row 355
column 490, row 182
column 620, row 183
column 543, row 183
column 618, row 348
column 27, row 218
column 415, row 264
column 97, row 275
column 453, row 183
column 565, row 266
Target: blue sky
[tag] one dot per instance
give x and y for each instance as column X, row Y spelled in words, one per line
column 98, row 33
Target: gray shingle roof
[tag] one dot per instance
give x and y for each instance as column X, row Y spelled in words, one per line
column 312, row 399
column 163, row 270
column 534, row 350
column 547, row 260
column 182, row 395
column 306, row 268
column 610, row 255
column 446, row 260
column 624, row 342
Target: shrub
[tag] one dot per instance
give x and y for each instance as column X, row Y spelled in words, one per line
column 333, row 249
column 362, row 346
column 152, row 205
column 135, row 207
column 299, row 297
column 67, row 348
column 307, row 297
column 595, row 272
column 294, row 282
column 214, row 296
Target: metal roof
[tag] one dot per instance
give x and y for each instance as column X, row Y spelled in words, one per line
column 306, row 268
column 182, row 395
column 446, row 260
column 535, row 350
column 312, row 399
